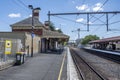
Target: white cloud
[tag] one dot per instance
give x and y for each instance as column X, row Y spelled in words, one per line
column 97, row 7
column 57, row 28
column 90, row 23
column 83, row 7
column 13, row 15
column 30, row 15
column 98, row 4
column 80, row 20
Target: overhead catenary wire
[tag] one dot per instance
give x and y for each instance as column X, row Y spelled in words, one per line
column 115, row 22
column 22, row 5
column 109, row 33
column 100, row 16
column 68, row 19
column 78, row 22
column 101, row 7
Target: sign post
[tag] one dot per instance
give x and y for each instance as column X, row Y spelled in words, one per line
column 8, row 46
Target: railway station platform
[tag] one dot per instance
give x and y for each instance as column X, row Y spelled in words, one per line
column 43, row 66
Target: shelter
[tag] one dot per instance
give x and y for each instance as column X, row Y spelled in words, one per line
column 107, row 43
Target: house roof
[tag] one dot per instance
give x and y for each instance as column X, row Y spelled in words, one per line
column 28, row 22
column 46, row 33
column 117, row 38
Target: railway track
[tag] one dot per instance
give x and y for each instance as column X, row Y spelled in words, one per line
column 84, row 69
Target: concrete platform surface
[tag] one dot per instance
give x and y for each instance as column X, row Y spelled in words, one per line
column 40, row 67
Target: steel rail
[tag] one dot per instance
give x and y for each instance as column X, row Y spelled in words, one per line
column 78, row 68
column 91, row 68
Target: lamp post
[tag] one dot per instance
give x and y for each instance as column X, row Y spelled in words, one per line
column 32, row 29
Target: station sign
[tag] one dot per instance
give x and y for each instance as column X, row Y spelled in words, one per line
column 8, row 46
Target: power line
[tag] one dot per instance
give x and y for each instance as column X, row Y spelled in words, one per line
column 23, row 3
column 98, row 18
column 75, row 21
column 115, row 22
column 78, row 22
column 100, row 7
column 111, row 16
column 68, row 19
column 109, row 33
column 96, row 29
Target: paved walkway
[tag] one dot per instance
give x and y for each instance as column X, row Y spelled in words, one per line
column 40, row 67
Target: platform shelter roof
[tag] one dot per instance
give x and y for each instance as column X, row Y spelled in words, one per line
column 111, row 39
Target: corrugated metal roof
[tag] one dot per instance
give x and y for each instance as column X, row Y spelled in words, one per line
column 117, row 38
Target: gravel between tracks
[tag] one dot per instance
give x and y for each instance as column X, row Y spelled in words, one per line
column 108, row 68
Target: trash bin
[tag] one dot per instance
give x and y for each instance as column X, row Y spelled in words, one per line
column 20, row 58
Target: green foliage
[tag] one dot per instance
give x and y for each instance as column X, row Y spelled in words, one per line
column 52, row 27
column 60, row 31
column 89, row 38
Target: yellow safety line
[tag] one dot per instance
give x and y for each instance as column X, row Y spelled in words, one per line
column 61, row 69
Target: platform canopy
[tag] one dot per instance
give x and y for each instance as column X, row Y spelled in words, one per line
column 53, row 34
column 111, row 39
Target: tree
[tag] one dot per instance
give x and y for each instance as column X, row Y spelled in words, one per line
column 52, row 27
column 89, row 38
column 60, row 31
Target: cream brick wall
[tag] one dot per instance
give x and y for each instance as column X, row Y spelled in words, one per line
column 25, row 39
column 36, row 43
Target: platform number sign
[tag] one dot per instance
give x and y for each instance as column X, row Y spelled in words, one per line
column 8, row 46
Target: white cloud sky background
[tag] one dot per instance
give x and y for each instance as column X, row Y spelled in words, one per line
column 95, row 7
column 14, row 15
column 85, row 8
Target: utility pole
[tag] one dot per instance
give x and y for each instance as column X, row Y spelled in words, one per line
column 32, row 29
column 78, row 30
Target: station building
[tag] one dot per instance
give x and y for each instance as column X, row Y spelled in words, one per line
column 43, row 38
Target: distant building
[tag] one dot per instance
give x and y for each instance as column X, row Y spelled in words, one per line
column 112, row 43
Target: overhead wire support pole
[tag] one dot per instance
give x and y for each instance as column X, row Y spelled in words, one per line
column 78, row 33
column 49, row 16
column 88, row 22
column 107, row 21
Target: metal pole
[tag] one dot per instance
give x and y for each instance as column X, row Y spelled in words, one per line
column 49, row 16
column 32, row 31
column 78, row 33
column 88, row 22
column 107, row 21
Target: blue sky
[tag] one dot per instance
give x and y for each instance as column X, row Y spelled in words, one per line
column 15, row 10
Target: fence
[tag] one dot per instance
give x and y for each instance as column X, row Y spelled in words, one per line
column 16, row 46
